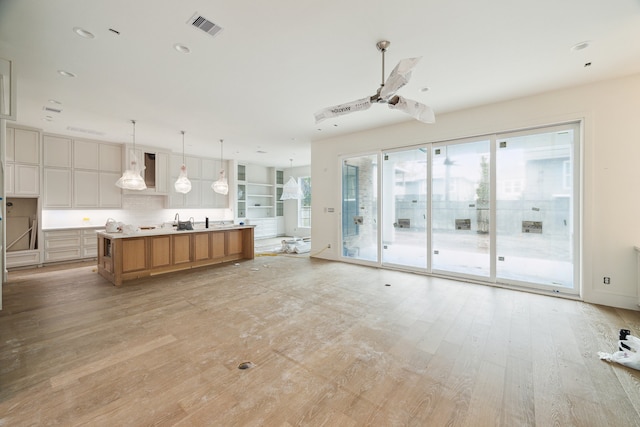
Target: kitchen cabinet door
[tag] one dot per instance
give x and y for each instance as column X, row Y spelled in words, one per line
column 192, row 198
column 57, row 188
column 207, row 195
column 9, row 181
column 86, row 189
column 110, row 158
column 109, row 196
column 57, row 151
column 85, row 155
column 27, row 146
column 10, row 149
column 27, row 180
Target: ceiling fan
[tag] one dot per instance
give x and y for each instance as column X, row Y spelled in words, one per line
column 386, row 94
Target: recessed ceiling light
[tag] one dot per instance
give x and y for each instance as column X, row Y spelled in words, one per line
column 48, row 119
column 83, row 33
column 181, row 48
column 66, row 73
column 580, row 46
column 116, row 32
column 261, row 152
column 54, row 101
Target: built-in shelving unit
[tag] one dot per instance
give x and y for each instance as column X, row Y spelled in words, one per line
column 258, row 197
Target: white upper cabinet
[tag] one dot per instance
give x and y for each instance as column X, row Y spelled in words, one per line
column 86, row 189
column 22, row 168
column 85, row 155
column 193, row 167
column 209, row 170
column 57, row 188
column 110, row 156
column 57, row 151
column 81, row 173
column 26, row 146
column 10, row 150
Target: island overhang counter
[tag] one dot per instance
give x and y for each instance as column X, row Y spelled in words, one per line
column 123, row 257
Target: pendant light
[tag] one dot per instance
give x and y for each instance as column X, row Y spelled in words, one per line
column 221, row 186
column 291, row 189
column 131, row 179
column 183, row 185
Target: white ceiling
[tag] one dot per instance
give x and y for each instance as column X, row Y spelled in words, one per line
column 258, row 82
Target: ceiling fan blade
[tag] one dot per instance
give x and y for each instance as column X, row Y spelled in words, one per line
column 339, row 110
column 413, row 108
column 398, row 78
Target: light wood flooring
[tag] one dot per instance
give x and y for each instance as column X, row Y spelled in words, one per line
column 331, row 345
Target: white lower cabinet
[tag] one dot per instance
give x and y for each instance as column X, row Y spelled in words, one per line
column 23, row 258
column 62, row 245
column 90, row 243
column 265, row 227
column 70, row 244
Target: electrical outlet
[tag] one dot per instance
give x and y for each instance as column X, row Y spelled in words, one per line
column 607, row 280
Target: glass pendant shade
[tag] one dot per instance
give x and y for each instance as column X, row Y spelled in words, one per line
column 221, row 186
column 183, row 185
column 291, row 190
column 132, row 179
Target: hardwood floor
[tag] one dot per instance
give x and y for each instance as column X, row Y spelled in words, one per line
column 330, row 343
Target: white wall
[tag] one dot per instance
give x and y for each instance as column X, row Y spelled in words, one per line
column 291, row 206
column 611, row 160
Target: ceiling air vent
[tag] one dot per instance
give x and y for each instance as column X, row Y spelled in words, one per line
column 52, row 109
column 202, row 23
column 89, row 131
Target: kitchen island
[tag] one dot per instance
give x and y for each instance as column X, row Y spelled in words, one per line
column 124, row 256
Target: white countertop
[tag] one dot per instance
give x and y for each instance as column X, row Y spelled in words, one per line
column 163, row 231
column 79, row 227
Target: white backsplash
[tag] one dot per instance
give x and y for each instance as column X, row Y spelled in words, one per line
column 138, row 210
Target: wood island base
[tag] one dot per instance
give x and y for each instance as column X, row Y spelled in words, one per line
column 128, row 257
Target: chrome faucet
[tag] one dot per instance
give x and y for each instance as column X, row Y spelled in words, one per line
column 176, row 219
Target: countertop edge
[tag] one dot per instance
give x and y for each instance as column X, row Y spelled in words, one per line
column 164, row 231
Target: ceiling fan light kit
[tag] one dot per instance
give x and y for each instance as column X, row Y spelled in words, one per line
column 386, row 94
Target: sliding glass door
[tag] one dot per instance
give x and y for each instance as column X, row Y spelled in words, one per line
column 404, row 208
column 460, row 208
column 499, row 209
column 535, row 207
column 360, row 208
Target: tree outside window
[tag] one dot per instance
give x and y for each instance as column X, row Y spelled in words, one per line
column 304, row 202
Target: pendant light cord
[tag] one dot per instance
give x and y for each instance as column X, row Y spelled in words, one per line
column 221, row 167
column 134, row 134
column 182, row 146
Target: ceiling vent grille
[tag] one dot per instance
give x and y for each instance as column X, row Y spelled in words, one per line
column 89, row 131
column 202, row 23
column 52, row 109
